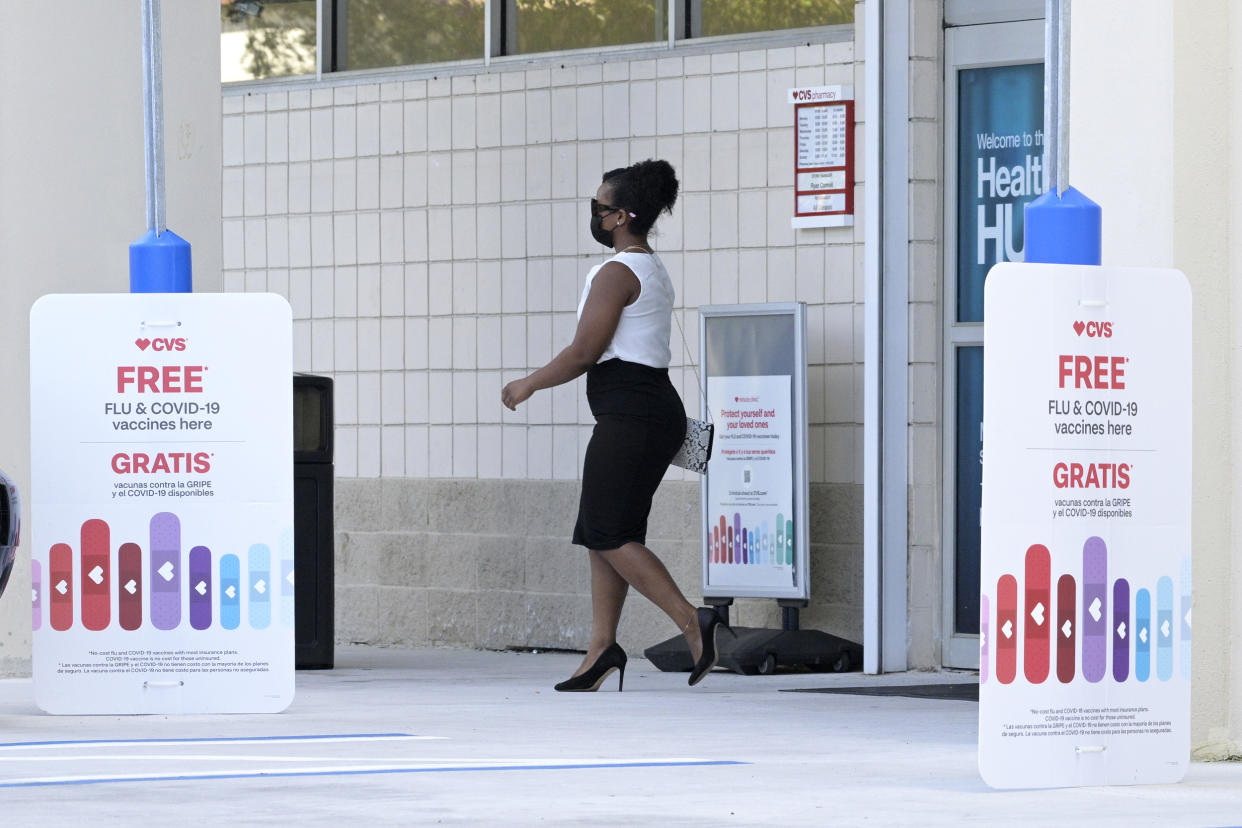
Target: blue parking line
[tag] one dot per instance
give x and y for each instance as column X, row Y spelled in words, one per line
column 362, row 772
column 216, row 739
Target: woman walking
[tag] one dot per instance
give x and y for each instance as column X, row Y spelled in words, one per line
column 622, row 345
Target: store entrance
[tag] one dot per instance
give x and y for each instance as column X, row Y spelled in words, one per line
column 994, row 102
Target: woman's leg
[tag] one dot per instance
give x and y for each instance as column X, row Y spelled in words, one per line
column 641, row 569
column 608, row 591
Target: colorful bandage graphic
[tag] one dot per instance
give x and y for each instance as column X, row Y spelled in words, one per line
column 1184, row 615
column 259, row 596
column 95, row 575
column 150, row 589
column 1142, row 635
column 1094, row 609
column 1037, row 611
column 1122, row 630
column 984, row 639
column 36, row 595
column 1006, row 629
column 60, row 586
column 129, row 586
column 230, row 592
column 1111, row 630
column 200, row 588
column 1066, row 631
column 164, row 571
column 1164, row 628
column 286, row 578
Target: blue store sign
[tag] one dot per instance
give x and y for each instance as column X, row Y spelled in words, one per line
column 1000, row 169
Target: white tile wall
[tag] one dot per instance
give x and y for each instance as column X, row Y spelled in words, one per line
column 431, row 238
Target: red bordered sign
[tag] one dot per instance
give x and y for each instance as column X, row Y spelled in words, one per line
column 823, row 156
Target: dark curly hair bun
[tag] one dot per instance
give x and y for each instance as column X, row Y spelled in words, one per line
column 646, row 189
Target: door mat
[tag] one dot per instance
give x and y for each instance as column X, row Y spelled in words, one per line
column 953, row 692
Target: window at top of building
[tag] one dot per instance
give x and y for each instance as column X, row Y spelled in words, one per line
column 373, row 34
column 278, row 38
column 726, row 17
column 266, row 39
column 555, row 25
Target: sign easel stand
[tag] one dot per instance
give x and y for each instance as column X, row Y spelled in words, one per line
column 755, row 496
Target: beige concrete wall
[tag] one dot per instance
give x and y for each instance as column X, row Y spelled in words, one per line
column 72, row 187
column 1230, row 742
column 1153, row 142
column 1122, row 125
column 1202, row 249
column 429, row 229
column 924, row 585
column 488, row 563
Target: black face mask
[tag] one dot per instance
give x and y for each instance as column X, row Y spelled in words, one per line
column 598, row 232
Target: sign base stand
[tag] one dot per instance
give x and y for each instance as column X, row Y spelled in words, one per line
column 762, row 650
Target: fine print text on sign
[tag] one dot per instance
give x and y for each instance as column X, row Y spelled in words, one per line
column 824, row 153
column 1085, row 620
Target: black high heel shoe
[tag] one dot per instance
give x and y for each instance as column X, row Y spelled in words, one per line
column 710, row 623
column 613, row 658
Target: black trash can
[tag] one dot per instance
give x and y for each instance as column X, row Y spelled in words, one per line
column 313, row 572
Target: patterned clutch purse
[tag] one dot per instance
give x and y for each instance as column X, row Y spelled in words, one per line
column 696, row 449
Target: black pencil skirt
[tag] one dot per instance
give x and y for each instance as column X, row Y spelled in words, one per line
column 640, row 424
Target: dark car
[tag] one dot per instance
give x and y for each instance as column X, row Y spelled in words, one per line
column 10, row 527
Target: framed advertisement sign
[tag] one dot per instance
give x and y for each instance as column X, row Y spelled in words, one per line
column 755, row 492
column 1085, row 619
column 162, row 503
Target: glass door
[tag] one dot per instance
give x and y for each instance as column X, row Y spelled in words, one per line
column 994, row 105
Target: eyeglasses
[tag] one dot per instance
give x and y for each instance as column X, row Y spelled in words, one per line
column 597, row 207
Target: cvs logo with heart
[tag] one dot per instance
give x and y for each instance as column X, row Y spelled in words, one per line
column 1094, row 330
column 165, row 344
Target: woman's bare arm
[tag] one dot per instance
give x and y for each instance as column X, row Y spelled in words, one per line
column 614, row 287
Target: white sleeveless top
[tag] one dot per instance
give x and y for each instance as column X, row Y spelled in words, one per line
column 642, row 334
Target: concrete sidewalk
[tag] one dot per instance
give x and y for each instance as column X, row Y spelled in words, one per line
column 464, row 737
